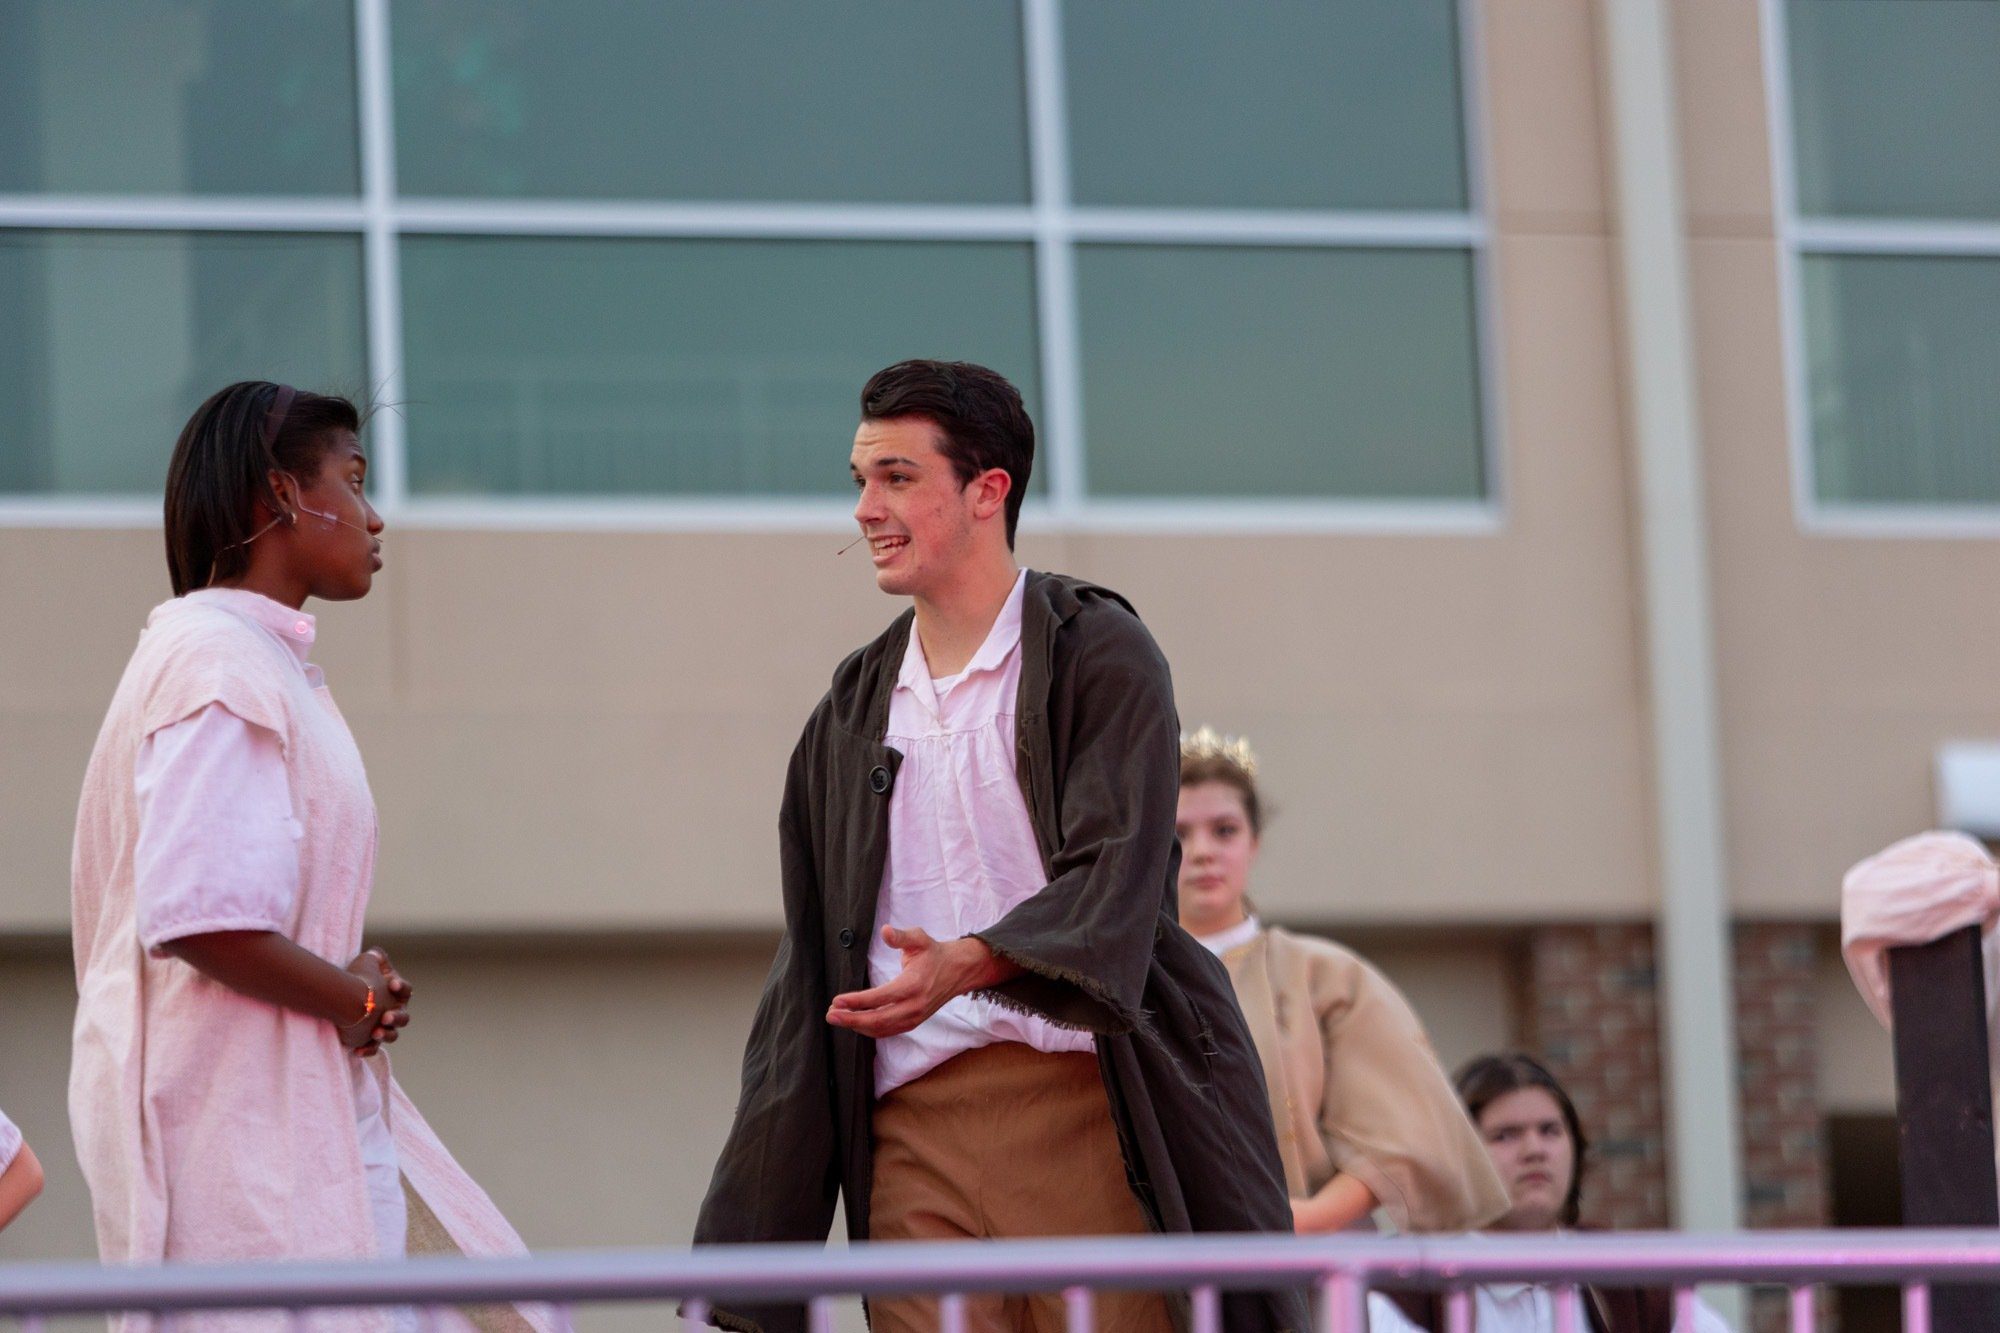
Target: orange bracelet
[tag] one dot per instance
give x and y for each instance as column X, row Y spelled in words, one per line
column 367, row 1013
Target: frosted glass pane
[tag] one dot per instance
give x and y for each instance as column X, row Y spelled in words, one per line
column 858, row 100
column 113, row 338
column 1902, row 352
column 621, row 367
column 1279, row 104
column 1896, row 107
column 1241, row 372
column 190, row 97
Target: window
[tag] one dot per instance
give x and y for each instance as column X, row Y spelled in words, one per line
column 648, row 254
column 1888, row 151
column 112, row 338
column 221, row 97
column 679, row 367
column 883, row 101
column 1226, row 372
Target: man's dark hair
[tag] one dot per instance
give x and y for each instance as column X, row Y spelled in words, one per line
column 222, row 466
column 1485, row 1079
column 977, row 412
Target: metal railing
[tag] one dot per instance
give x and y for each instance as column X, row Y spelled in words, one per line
column 1341, row 1270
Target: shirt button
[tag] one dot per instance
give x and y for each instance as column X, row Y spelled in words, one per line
column 878, row 780
column 302, row 627
column 846, row 938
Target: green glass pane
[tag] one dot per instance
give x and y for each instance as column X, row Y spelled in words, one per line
column 1901, row 354
column 187, row 97
column 1280, row 104
column 857, row 100
column 113, row 338
column 640, row 368
column 1896, row 107
column 1280, row 373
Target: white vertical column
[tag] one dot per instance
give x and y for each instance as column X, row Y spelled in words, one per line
column 1055, row 256
column 1696, row 974
column 1474, row 119
column 384, row 280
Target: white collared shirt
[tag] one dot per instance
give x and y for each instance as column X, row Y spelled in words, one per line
column 962, row 850
column 1235, row 937
column 1515, row 1307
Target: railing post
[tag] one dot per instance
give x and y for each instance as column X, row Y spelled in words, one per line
column 1568, row 1307
column 1805, row 1310
column 1207, row 1304
column 1343, row 1305
column 1917, row 1308
column 1458, row 1310
column 1944, row 1105
column 1081, row 1314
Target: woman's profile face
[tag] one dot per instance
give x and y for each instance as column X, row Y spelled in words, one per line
column 1530, row 1144
column 336, row 538
column 1218, row 848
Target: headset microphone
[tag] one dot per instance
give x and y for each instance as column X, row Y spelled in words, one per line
column 331, row 518
column 851, row 545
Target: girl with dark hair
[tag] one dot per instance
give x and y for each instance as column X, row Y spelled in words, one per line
column 1364, row 1115
column 222, row 1090
column 1532, row 1132
column 1535, row 1137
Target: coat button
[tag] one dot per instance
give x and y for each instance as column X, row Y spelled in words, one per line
column 846, row 938
column 878, row 780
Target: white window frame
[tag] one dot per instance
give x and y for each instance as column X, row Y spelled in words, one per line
column 1051, row 224
column 1798, row 236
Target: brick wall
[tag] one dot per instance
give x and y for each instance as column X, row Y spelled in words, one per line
column 1589, row 1007
column 1784, row 1148
column 1591, row 1013
column 1784, row 1139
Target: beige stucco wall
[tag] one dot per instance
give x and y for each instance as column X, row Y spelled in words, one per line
column 586, row 730
column 1857, row 1061
column 586, row 1087
column 574, row 736
column 1843, row 660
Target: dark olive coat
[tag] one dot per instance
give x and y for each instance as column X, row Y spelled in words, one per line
column 1098, row 760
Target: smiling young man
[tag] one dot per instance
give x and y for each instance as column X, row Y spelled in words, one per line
column 984, row 1020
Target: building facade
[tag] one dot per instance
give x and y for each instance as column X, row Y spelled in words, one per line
column 1319, row 311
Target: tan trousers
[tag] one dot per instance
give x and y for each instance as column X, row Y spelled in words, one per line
column 1006, row 1141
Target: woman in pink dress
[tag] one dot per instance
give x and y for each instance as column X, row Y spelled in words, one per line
column 227, row 1092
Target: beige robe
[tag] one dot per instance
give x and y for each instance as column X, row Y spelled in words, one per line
column 1355, row 1086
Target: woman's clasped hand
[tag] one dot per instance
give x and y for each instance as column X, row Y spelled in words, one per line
column 387, row 1004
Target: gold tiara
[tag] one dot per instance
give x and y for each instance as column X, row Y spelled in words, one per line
column 1208, row 743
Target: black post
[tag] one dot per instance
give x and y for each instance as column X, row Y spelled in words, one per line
column 1944, row 1106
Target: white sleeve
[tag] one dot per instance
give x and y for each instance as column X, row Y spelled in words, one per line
column 1707, row 1320
column 1384, row 1317
column 218, row 846
column 10, row 1142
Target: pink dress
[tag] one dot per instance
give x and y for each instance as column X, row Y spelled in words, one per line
column 210, row 1126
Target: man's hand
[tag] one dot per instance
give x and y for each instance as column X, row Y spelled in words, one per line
column 932, row 974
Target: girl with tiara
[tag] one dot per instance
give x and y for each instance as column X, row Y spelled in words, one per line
column 1365, row 1116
